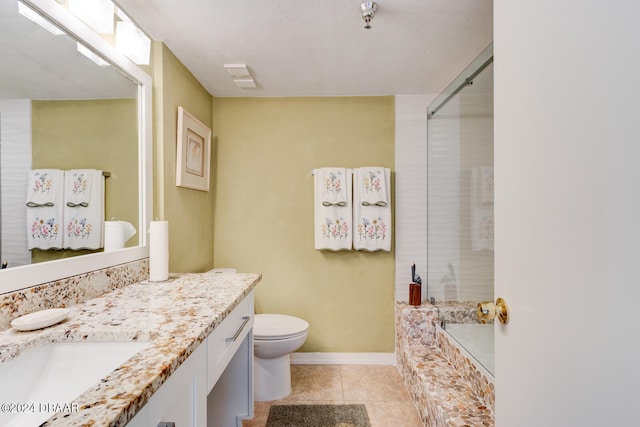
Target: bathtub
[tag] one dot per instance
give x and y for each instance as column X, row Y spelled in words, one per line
column 477, row 339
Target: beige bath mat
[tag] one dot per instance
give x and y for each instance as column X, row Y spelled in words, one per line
column 318, row 416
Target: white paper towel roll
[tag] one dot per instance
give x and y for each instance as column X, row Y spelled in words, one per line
column 158, row 251
column 116, row 234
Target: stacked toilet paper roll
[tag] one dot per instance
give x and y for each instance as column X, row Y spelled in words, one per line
column 158, row 251
column 116, row 234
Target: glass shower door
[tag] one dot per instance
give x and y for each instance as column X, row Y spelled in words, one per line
column 460, row 188
column 460, row 192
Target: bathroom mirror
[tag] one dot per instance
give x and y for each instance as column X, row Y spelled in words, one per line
column 55, row 90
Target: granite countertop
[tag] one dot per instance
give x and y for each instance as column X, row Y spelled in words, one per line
column 175, row 316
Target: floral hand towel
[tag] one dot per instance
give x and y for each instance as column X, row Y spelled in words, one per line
column 482, row 185
column 373, row 186
column 77, row 190
column 43, row 187
column 332, row 222
column 83, row 225
column 372, row 223
column 44, row 209
column 334, row 185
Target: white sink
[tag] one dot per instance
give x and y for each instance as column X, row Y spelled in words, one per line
column 42, row 378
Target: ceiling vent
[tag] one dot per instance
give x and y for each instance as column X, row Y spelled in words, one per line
column 241, row 75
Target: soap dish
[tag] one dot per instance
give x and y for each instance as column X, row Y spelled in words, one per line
column 40, row 319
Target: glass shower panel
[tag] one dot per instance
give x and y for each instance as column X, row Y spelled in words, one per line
column 460, row 187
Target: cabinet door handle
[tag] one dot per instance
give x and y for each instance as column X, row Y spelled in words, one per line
column 166, row 424
column 237, row 334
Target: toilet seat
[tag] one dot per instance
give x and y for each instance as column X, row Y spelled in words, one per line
column 271, row 327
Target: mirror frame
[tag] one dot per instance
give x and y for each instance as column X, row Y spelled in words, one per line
column 21, row 277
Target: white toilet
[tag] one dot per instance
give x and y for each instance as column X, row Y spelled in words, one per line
column 275, row 336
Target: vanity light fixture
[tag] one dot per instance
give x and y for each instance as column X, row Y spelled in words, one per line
column 91, row 55
column 132, row 42
column 97, row 14
column 30, row 14
column 121, row 15
column 241, row 75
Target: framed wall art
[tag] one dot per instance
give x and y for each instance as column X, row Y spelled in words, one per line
column 193, row 157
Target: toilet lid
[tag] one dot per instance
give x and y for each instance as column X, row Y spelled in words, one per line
column 277, row 326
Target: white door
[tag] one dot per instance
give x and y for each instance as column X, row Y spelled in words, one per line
column 567, row 212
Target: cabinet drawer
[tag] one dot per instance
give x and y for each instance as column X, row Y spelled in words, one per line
column 181, row 399
column 226, row 338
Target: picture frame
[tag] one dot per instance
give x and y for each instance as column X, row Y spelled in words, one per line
column 193, row 152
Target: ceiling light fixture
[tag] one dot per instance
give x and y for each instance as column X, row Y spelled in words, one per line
column 368, row 10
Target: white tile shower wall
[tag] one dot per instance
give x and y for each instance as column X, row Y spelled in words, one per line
column 15, row 163
column 411, row 189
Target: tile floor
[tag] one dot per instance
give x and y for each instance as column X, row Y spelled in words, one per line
column 380, row 388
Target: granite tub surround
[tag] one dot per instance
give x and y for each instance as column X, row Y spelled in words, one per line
column 70, row 291
column 447, row 387
column 416, row 325
column 459, row 312
column 481, row 381
column 175, row 316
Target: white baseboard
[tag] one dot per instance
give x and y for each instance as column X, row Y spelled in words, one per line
column 343, row 359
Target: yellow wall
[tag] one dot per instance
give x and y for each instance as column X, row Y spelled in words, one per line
column 90, row 134
column 261, row 198
column 266, row 150
column 189, row 212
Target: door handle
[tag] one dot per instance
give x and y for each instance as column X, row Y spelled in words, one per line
column 488, row 310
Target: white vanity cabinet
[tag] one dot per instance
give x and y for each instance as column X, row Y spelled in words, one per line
column 230, row 368
column 182, row 399
column 214, row 386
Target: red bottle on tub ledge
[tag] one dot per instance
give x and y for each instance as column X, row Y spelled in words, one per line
column 415, row 287
column 415, row 293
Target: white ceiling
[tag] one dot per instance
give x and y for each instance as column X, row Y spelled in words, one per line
column 320, row 48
